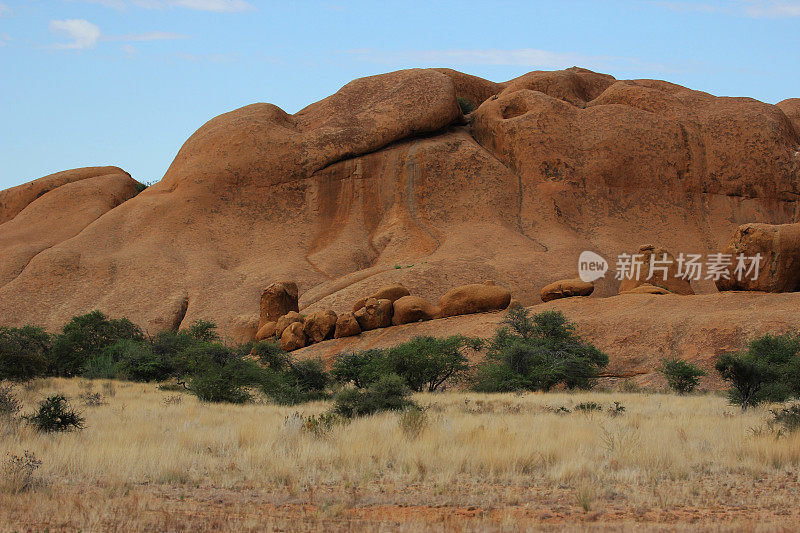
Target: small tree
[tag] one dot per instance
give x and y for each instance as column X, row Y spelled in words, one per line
column 681, row 376
column 427, row 362
column 360, row 368
column 23, row 353
column 85, row 337
column 767, row 371
column 538, row 353
column 220, row 374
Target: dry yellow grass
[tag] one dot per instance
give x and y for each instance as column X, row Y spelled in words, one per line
column 512, row 455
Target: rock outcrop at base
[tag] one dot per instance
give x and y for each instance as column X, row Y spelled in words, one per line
column 375, row 314
column 277, row 300
column 566, row 288
column 390, row 292
column 346, row 326
column 656, row 267
column 286, row 320
column 779, row 249
column 293, row 337
column 475, row 298
column 410, row 309
column 320, row 326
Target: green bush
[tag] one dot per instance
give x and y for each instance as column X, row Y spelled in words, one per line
column 361, row 368
column 54, row 414
column 389, row 393
column 425, row 363
column 767, row 371
column 788, row 417
column 297, row 382
column 85, row 337
column 204, row 330
column 538, row 353
column 23, row 353
column 466, row 106
column 220, row 374
column 681, row 376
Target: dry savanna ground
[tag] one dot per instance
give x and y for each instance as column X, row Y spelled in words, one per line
column 156, row 460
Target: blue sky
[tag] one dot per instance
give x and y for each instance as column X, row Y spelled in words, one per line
column 125, row 82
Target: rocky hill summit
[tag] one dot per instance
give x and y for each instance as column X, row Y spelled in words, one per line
column 390, row 181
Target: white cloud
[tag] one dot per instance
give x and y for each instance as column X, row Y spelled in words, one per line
column 219, row 6
column 745, row 8
column 227, row 6
column 522, row 57
column 4, row 9
column 82, row 33
column 147, row 36
column 773, row 9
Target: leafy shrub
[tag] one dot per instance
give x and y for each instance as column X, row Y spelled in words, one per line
column 321, row 425
column 466, row 106
column 23, row 353
column 424, row 363
column 54, row 415
column 787, row 417
column 538, row 353
column 767, row 371
column 427, row 362
column 85, row 337
column 389, row 393
column 9, row 404
column 682, row 377
column 298, row 382
column 361, row 368
column 588, row 407
column 204, row 330
column 220, row 374
column 18, row 473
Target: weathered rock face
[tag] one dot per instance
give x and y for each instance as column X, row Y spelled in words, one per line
column 566, row 288
column 15, row 199
column 657, row 267
column 61, row 211
column 286, row 320
column 277, row 300
column 320, row 326
column 346, row 326
column 382, row 183
column 410, row 309
column 791, row 108
column 779, row 248
column 375, row 314
column 475, row 298
column 390, row 292
column 293, row 337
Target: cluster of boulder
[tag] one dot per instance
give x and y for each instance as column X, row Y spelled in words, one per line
column 392, row 305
